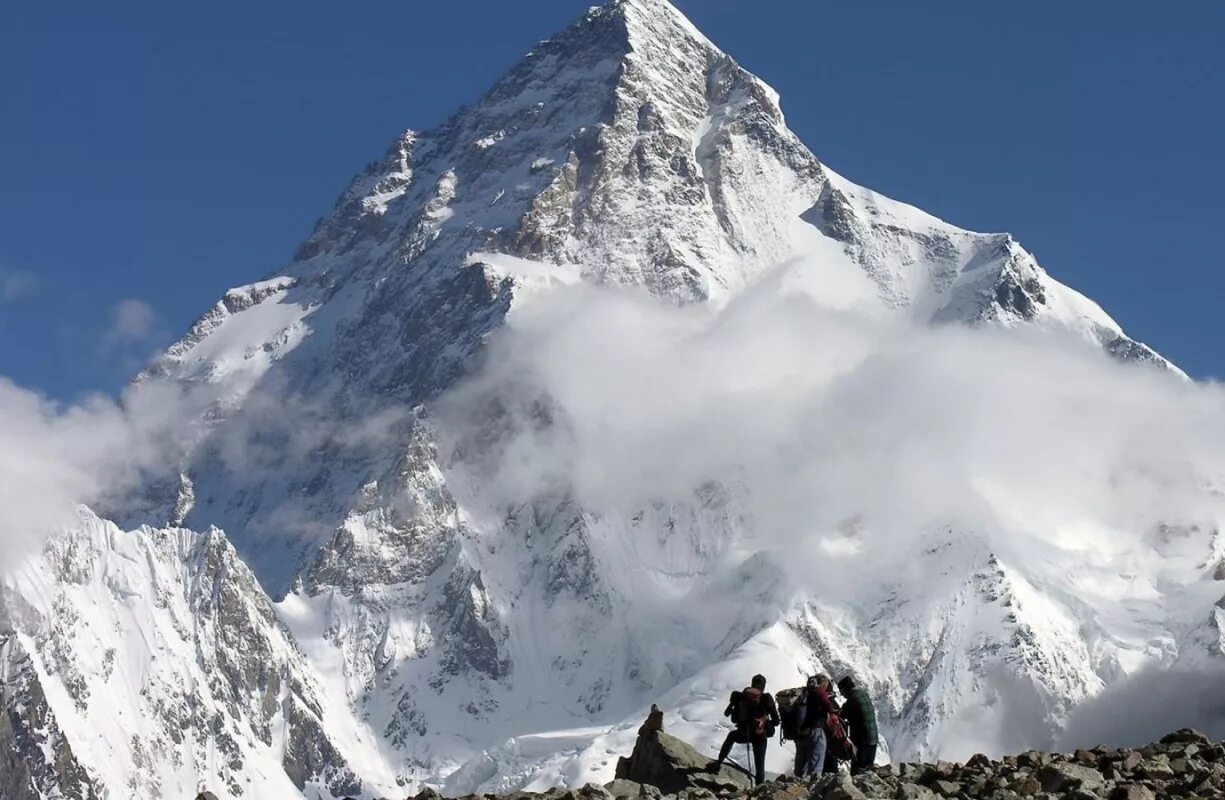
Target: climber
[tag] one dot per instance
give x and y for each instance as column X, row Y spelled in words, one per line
column 793, row 709
column 817, row 722
column 755, row 715
column 860, row 717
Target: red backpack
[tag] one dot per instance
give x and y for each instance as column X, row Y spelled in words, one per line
column 751, row 714
column 839, row 743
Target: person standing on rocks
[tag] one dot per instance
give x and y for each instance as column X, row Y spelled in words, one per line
column 860, row 717
column 816, row 721
column 755, row 715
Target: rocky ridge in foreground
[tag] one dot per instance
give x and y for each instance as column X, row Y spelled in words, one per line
column 1185, row 764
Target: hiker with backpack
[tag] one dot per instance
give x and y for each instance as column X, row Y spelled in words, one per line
column 819, row 717
column 755, row 715
column 793, row 708
column 860, row 717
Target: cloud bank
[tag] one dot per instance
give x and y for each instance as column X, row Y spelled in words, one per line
column 853, row 444
column 846, row 436
column 55, row 456
column 828, row 415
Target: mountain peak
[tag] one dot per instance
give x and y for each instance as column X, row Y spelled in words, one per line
column 656, row 18
column 627, row 149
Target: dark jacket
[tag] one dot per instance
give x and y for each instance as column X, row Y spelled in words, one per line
column 860, row 718
column 767, row 705
column 820, row 706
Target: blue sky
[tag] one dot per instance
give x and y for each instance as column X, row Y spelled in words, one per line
column 154, row 154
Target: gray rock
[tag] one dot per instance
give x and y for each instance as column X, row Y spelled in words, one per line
column 872, row 784
column 979, row 761
column 1086, row 757
column 1131, row 761
column 592, row 792
column 696, row 793
column 666, row 762
column 1185, row 735
column 1032, row 759
column 783, row 788
column 1081, row 794
column 1065, row 777
column 946, row 788
column 1132, row 791
column 835, row 787
column 913, row 791
column 1026, row 786
column 620, row 787
column 1157, row 767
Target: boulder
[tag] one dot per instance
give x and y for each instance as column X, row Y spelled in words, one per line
column 1185, row 736
column 672, row 765
column 1130, row 761
column 1156, row 768
column 946, row 788
column 979, row 761
column 621, row 788
column 872, row 784
column 913, row 791
column 1086, row 757
column 206, row 796
column 835, row 787
column 1065, row 777
column 1032, row 759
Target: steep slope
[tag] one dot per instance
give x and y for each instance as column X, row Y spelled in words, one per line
column 150, row 662
column 424, row 629
column 627, row 148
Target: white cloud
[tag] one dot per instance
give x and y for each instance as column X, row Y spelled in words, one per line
column 131, row 323
column 827, row 415
column 104, row 453
column 55, row 456
column 846, row 438
column 854, row 447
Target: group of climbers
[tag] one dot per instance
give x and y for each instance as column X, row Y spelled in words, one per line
column 825, row 733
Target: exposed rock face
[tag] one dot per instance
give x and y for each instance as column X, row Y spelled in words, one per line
column 672, row 765
column 175, row 669
column 36, row 759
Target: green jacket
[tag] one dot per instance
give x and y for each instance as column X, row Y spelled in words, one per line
column 860, row 718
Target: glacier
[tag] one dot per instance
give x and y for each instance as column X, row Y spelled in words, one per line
column 455, row 553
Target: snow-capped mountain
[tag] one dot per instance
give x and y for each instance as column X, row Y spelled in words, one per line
column 374, row 618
